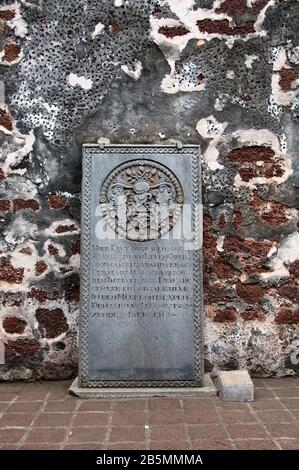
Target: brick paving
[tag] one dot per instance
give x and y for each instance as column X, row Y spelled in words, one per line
column 44, row 416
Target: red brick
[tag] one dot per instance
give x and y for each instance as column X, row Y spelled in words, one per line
column 14, row 420
column 222, row 222
column 22, row 204
column 171, row 32
column 49, row 420
column 126, row 446
column 25, row 407
column 57, row 202
column 11, row 52
column 283, row 430
column 11, row 436
column 275, row 416
column 61, row 406
column 175, row 432
column 287, row 316
column 169, row 445
column 237, row 7
column 287, row 77
column 21, row 347
column 14, row 325
column 165, row 417
column 216, row 293
column 42, row 296
column 237, row 416
column 289, row 444
column 4, row 203
column 95, row 405
column 289, row 291
column 253, row 315
column 66, row 228
column 211, row 444
column 51, row 322
column 76, row 247
column 223, row 27
column 46, row 435
column 249, row 247
column 201, row 416
column 237, row 219
column 207, row 431
column 223, row 270
column 251, row 154
column 7, row 14
column 256, row 444
column 53, row 251
column 10, row 274
column 227, row 315
column 91, row 419
column 245, row 431
column 247, row 173
column 127, row 434
column 164, row 403
column 40, row 267
column 251, row 293
column 128, row 418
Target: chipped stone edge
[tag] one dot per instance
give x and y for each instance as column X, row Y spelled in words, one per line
column 207, row 390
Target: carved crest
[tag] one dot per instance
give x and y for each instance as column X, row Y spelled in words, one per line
column 141, row 200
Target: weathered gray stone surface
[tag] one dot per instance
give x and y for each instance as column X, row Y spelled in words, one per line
column 220, row 75
column 140, row 314
column 235, row 385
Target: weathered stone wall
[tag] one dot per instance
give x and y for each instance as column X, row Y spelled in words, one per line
column 222, row 73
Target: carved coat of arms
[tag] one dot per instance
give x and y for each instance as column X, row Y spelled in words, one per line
column 141, row 200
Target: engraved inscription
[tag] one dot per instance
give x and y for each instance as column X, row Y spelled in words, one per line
column 152, row 282
column 141, row 200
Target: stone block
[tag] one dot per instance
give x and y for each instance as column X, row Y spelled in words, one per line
column 235, row 385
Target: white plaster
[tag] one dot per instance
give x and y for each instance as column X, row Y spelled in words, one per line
column 250, row 59
column 295, row 55
column 258, row 25
column 135, row 73
column 13, row 62
column 210, row 128
column 230, row 74
column 103, row 140
column 280, row 59
column 83, row 82
column 16, row 157
column 18, row 24
column 51, row 231
column 281, row 97
column 220, row 241
column 287, row 252
column 20, row 231
column 272, row 250
column 187, row 16
column 218, row 105
column 61, row 251
column 99, row 29
column 211, row 156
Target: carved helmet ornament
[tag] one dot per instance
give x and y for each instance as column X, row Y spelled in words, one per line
column 141, row 200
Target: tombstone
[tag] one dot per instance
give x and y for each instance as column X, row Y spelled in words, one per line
column 141, row 295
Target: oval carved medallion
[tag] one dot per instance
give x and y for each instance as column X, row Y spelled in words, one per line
column 141, row 200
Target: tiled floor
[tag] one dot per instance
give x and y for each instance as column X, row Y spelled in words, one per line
column 44, row 416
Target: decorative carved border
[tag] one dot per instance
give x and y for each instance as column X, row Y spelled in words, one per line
column 89, row 151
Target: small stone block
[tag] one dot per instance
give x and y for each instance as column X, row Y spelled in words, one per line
column 235, row 385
